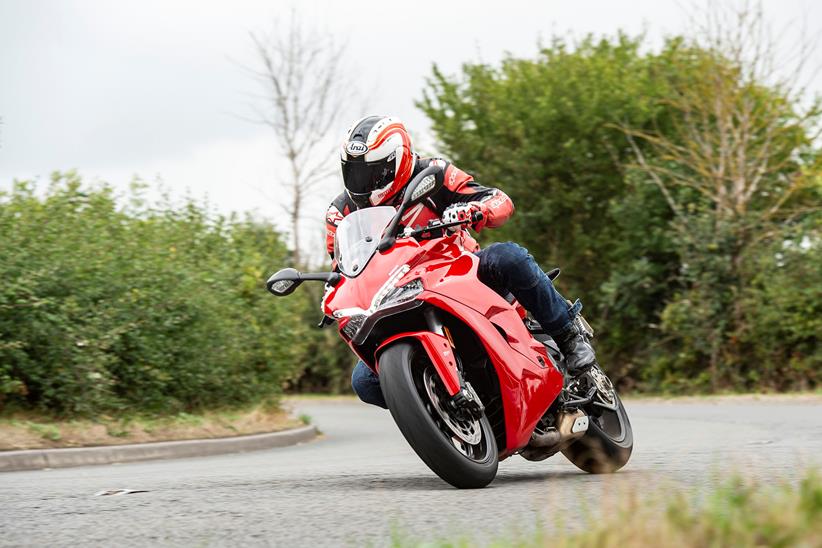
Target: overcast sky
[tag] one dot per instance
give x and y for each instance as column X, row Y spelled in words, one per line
column 153, row 88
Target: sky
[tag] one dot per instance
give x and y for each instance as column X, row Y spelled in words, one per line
column 157, row 89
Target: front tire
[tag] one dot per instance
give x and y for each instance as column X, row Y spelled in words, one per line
column 463, row 453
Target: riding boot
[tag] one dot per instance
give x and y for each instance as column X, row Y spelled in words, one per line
column 578, row 352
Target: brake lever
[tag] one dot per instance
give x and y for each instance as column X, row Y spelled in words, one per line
column 477, row 216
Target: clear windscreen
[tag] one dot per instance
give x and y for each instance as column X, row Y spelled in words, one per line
column 358, row 236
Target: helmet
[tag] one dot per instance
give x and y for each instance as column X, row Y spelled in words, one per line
column 377, row 160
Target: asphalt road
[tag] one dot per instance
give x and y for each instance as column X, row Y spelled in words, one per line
column 361, row 483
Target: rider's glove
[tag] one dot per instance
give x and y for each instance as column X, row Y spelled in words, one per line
column 465, row 212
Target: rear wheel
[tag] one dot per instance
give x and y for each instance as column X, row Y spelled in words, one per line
column 609, row 441
column 462, row 451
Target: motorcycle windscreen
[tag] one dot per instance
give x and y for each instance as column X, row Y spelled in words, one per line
column 358, row 236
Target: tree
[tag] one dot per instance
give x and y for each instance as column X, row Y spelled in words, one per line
column 305, row 92
column 664, row 234
column 736, row 167
column 544, row 131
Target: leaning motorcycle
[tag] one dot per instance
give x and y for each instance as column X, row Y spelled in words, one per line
column 469, row 377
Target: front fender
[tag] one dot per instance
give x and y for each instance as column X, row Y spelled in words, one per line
column 439, row 352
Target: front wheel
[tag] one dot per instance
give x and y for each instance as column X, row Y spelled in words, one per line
column 461, row 451
column 609, row 441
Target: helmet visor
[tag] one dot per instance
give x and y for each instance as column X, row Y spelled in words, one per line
column 366, row 177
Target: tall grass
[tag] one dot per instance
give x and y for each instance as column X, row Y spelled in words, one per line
column 739, row 513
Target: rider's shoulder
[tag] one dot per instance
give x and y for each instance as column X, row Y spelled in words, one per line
column 453, row 177
column 423, row 163
column 446, row 167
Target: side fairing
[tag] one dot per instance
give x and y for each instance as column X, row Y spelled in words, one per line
column 359, row 292
column 529, row 381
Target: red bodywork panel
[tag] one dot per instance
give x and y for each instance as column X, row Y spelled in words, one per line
column 529, row 381
column 439, row 351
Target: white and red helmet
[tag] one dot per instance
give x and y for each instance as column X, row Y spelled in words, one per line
column 377, row 160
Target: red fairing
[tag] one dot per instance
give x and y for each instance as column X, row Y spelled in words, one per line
column 529, row 380
column 439, row 349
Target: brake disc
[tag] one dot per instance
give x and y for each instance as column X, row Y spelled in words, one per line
column 605, row 388
column 468, row 431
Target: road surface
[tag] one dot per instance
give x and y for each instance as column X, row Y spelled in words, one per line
column 361, row 483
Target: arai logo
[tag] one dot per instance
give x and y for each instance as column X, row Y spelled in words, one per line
column 356, row 148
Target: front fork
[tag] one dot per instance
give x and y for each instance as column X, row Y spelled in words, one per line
column 465, row 403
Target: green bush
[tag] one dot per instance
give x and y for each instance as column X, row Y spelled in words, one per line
column 681, row 302
column 106, row 307
column 545, row 131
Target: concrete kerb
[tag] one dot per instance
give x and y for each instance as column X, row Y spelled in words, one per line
column 35, row 459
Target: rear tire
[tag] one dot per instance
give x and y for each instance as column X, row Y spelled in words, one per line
column 608, row 443
column 404, row 370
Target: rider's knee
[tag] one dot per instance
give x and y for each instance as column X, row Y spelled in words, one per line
column 366, row 385
column 359, row 379
column 507, row 265
column 504, row 255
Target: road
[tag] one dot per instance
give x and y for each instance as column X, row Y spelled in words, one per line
column 361, row 482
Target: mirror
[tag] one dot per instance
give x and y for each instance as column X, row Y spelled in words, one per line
column 287, row 280
column 284, row 282
column 422, row 187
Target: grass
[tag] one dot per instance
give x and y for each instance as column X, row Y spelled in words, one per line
column 810, row 395
column 739, row 514
column 32, row 431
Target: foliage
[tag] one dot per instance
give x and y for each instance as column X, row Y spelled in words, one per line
column 611, row 153
column 109, row 308
column 739, row 170
column 696, row 273
column 545, row 131
column 326, row 361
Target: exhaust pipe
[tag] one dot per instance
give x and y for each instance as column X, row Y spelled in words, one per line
column 569, row 427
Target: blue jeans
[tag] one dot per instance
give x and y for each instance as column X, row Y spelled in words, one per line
column 504, row 267
column 366, row 385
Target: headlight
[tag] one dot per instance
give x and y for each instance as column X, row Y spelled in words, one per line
column 402, row 294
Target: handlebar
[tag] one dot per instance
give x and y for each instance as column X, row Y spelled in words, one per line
column 476, row 217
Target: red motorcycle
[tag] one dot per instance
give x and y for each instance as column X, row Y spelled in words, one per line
column 469, row 377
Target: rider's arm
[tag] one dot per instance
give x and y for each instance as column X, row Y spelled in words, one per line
column 495, row 205
column 333, row 216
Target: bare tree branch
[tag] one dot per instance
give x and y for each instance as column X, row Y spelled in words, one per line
column 305, row 89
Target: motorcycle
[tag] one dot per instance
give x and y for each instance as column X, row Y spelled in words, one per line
column 469, row 377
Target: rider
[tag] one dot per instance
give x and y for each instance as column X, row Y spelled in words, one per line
column 378, row 161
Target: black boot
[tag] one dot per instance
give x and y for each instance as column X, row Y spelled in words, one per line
column 578, row 353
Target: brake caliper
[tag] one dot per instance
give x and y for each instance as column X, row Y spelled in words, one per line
column 466, row 404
